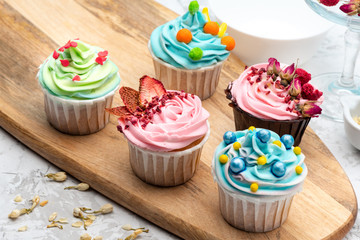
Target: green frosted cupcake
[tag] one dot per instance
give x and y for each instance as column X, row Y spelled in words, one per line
column 78, row 81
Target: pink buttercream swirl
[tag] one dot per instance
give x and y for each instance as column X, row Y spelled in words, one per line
column 262, row 97
column 180, row 121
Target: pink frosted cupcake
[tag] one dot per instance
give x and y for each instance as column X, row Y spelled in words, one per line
column 166, row 131
column 276, row 97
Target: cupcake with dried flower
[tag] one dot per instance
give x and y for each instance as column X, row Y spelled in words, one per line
column 189, row 51
column 276, row 97
column 78, row 81
column 166, row 131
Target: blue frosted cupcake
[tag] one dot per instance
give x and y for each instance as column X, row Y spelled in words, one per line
column 189, row 52
column 258, row 173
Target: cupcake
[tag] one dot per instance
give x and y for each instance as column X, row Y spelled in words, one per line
column 165, row 130
column 257, row 173
column 189, row 51
column 78, row 81
column 276, row 97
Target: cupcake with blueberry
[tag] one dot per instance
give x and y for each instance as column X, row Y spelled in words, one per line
column 165, row 130
column 257, row 173
column 78, row 81
column 275, row 96
column 189, row 51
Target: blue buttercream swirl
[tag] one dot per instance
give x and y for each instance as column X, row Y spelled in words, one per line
column 165, row 46
column 251, row 149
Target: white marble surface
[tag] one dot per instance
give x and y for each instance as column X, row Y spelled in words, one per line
column 22, row 172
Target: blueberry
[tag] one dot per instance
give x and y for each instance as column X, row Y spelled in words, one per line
column 229, row 137
column 278, row 169
column 264, row 135
column 287, row 140
column 237, row 165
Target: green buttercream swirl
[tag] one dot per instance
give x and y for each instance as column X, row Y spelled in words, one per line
column 95, row 80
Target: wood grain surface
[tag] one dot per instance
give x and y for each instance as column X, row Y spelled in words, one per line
column 31, row 30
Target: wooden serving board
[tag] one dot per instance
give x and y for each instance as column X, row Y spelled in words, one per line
column 31, row 30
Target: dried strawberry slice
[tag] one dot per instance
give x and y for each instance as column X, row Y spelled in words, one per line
column 130, row 98
column 122, row 111
column 149, row 88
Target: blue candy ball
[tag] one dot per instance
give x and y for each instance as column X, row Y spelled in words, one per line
column 264, row 135
column 229, row 137
column 287, row 140
column 278, row 169
column 237, row 165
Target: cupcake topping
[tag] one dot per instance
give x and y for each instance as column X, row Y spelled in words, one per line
column 264, row 163
column 192, row 41
column 270, row 92
column 79, row 71
column 160, row 120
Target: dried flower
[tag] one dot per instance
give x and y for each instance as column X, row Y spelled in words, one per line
column 350, row 8
column 52, row 216
column 288, row 73
column 16, row 213
column 54, row 225
column 310, row 109
column 295, row 88
column 85, row 236
column 23, row 229
column 136, row 233
column 35, row 202
column 77, row 224
column 273, row 67
column 43, row 203
column 329, row 3
column 80, row 187
column 62, row 221
column 88, row 222
column 77, row 213
column 107, row 208
column 18, row 198
column 58, row 177
column 310, row 93
column 302, row 75
column 127, row 227
column 91, row 217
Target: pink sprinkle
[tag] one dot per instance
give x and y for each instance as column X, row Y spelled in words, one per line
column 67, row 45
column 103, row 53
column 119, row 128
column 65, row 62
column 56, row 54
column 73, row 44
column 61, row 49
column 76, row 78
column 100, row 60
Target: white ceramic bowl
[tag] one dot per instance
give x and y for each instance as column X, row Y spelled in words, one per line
column 286, row 30
column 351, row 108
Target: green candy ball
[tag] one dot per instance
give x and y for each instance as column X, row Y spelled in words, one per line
column 193, row 7
column 196, row 53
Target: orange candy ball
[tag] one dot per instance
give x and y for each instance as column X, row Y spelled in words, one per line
column 184, row 35
column 229, row 42
column 211, row 27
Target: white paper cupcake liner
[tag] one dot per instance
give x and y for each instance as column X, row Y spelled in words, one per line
column 77, row 117
column 165, row 168
column 201, row 82
column 255, row 213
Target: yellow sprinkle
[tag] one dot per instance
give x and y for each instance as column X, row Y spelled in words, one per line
column 205, row 11
column 297, row 150
column 252, row 128
column 223, row 159
column 237, row 145
column 261, row 160
column 254, row 187
column 298, row 170
column 277, row 142
column 222, row 30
